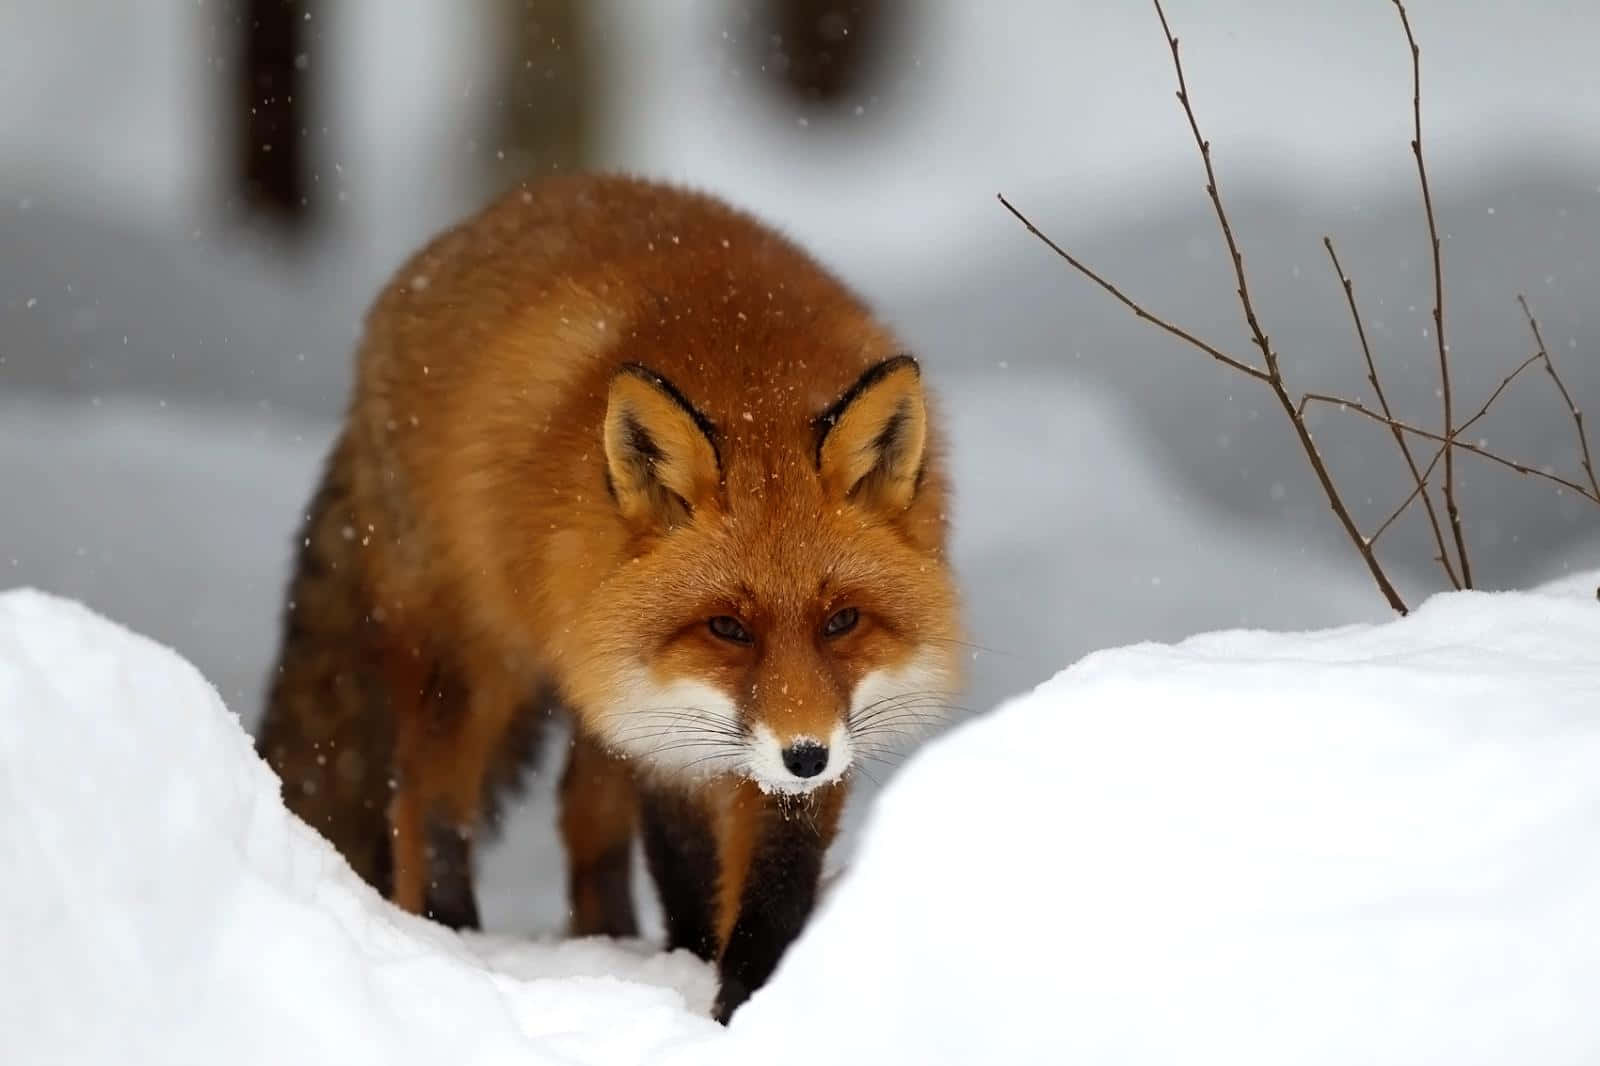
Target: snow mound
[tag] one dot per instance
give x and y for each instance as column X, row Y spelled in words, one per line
column 161, row 906
column 1373, row 844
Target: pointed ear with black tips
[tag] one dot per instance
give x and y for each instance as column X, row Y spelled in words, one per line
column 661, row 453
column 873, row 439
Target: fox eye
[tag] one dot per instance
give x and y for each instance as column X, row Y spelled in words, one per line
column 730, row 629
column 842, row 622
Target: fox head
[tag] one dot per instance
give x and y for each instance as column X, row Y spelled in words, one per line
column 787, row 609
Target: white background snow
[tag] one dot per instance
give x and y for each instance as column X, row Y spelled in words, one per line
column 167, row 389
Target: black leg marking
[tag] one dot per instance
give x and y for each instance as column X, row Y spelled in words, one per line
column 450, row 898
column 383, row 863
column 780, row 891
column 609, row 884
column 682, row 856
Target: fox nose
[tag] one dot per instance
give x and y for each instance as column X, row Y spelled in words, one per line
column 806, row 758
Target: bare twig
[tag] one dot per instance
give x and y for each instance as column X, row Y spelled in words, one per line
column 1572, row 408
column 1348, row 404
column 1259, row 336
column 1462, row 428
column 1271, row 376
column 1211, row 350
column 1443, row 558
column 1256, row 334
column 1459, row 572
column 1542, row 355
column 1438, row 298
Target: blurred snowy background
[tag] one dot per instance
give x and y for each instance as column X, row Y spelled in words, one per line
column 176, row 326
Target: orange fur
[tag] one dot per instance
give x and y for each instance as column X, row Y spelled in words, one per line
column 405, row 684
column 739, row 810
column 586, row 421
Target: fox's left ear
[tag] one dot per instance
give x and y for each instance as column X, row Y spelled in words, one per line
column 873, row 438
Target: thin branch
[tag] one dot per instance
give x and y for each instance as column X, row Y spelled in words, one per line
column 1448, row 440
column 1443, row 557
column 1577, row 415
column 1462, row 428
column 1355, row 405
column 1256, row 334
column 1274, row 377
column 1438, row 298
column 1215, row 353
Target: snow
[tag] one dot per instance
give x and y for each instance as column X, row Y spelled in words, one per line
column 1368, row 843
column 1364, row 844
column 162, row 906
column 109, row 516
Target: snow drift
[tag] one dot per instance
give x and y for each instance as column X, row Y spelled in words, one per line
column 161, row 906
column 1374, row 844
column 1369, row 844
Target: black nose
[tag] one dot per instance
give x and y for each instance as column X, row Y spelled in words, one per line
column 805, row 759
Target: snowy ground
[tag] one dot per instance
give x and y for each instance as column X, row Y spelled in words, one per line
column 162, row 906
column 1365, row 844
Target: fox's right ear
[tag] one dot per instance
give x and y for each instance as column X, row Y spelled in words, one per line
column 661, row 453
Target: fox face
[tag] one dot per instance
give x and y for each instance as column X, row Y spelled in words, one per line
column 787, row 609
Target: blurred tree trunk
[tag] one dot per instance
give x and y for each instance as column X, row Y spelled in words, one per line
column 544, row 115
column 271, row 113
column 827, row 51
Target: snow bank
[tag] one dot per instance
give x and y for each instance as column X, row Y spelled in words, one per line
column 159, row 905
column 1371, row 844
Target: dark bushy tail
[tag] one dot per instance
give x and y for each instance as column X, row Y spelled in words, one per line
column 325, row 730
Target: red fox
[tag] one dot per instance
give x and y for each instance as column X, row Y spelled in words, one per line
column 617, row 448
